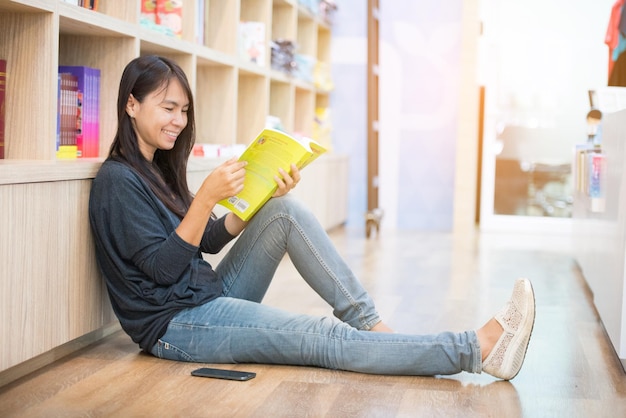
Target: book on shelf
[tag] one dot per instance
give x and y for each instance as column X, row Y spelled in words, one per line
column 68, row 109
column 252, row 42
column 269, row 151
column 148, row 11
column 86, row 117
column 87, row 4
column 169, row 13
column 165, row 16
column 3, row 86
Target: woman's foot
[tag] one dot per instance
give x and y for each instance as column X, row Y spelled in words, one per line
column 504, row 339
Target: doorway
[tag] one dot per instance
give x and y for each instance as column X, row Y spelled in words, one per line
column 537, row 62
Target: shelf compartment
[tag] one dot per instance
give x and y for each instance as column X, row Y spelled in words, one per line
column 284, row 21
column 215, row 104
column 95, row 52
column 304, row 111
column 323, row 44
column 221, row 18
column 252, row 106
column 30, row 104
column 258, row 11
column 282, row 103
column 120, row 9
column 307, row 31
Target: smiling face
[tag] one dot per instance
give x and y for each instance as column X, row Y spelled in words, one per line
column 159, row 118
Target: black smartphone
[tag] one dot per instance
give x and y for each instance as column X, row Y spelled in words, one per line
column 223, row 374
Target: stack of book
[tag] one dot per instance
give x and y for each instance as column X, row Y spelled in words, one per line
column 283, row 55
column 78, row 108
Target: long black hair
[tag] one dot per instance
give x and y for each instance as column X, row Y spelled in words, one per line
column 167, row 173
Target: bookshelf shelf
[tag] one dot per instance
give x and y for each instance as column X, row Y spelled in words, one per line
column 35, row 171
column 43, row 196
column 81, row 21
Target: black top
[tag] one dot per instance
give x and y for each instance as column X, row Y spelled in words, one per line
column 151, row 273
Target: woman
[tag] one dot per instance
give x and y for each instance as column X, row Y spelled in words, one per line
column 150, row 233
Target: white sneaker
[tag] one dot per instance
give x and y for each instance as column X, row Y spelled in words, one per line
column 517, row 319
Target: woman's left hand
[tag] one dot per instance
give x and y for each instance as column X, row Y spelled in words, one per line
column 287, row 181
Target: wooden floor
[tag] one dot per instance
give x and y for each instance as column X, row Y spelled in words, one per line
column 423, row 282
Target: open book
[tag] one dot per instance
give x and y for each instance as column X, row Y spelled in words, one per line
column 270, row 151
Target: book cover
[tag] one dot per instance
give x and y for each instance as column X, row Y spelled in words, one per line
column 252, row 42
column 3, row 85
column 88, row 90
column 268, row 152
column 169, row 13
column 148, row 10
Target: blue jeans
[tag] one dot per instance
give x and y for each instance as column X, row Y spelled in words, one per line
column 237, row 328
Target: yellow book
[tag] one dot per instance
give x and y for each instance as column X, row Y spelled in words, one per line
column 269, row 151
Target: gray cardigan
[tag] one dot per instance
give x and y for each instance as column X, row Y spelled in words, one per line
column 150, row 272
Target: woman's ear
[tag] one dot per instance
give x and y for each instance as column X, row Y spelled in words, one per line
column 130, row 106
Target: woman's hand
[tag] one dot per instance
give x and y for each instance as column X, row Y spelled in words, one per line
column 223, row 182
column 287, row 181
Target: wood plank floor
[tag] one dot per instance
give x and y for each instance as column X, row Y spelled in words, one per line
column 423, row 282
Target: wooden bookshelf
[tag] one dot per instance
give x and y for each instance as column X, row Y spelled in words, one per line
column 50, row 290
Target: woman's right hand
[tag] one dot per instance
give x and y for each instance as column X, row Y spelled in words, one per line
column 223, row 182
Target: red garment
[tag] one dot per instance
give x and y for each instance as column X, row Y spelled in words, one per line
column 612, row 32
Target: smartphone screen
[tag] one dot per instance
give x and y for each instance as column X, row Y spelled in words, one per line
column 223, row 374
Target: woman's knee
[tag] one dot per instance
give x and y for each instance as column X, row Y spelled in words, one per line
column 286, row 205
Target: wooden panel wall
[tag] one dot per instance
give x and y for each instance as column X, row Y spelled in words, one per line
column 50, row 288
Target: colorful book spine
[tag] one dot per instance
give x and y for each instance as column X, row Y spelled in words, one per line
column 68, row 110
column 3, row 85
column 87, row 126
column 58, row 112
column 94, row 144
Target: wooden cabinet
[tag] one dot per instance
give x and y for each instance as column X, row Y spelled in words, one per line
column 599, row 230
column 50, row 289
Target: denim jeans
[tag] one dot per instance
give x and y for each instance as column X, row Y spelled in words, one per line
column 237, row 328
